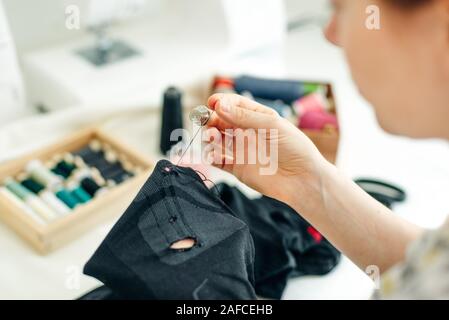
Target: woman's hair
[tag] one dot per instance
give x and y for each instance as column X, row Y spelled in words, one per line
column 409, row 3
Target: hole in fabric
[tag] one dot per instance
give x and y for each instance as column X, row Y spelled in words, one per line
column 173, row 219
column 183, row 244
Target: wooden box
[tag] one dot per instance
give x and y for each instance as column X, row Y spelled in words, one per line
column 46, row 238
column 327, row 141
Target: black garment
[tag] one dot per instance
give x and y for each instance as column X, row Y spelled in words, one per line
column 286, row 245
column 135, row 260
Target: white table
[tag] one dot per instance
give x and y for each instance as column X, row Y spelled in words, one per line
column 419, row 167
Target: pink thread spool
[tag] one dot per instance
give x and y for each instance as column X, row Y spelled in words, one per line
column 318, row 120
column 311, row 102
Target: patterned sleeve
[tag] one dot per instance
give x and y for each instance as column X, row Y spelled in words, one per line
column 425, row 272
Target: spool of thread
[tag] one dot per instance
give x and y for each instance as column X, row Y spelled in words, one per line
column 89, row 155
column 42, row 175
column 66, row 168
column 80, row 194
column 91, row 187
column 121, row 177
column 22, row 205
column 95, row 145
column 30, row 199
column 98, row 162
column 68, row 157
column 53, row 202
column 48, row 197
column 111, row 156
column 311, row 102
column 223, row 85
column 58, row 172
column 171, row 118
column 66, row 197
column 272, row 89
column 32, row 185
column 318, row 120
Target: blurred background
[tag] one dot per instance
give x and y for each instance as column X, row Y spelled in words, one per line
column 44, row 37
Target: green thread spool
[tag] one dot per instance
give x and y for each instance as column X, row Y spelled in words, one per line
column 30, row 199
column 20, row 191
column 81, row 194
column 66, row 197
column 59, row 172
column 65, row 168
column 32, row 185
column 310, row 88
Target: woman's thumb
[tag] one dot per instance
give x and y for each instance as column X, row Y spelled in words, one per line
column 242, row 117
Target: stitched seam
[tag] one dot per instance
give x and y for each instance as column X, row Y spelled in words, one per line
column 181, row 213
column 169, row 213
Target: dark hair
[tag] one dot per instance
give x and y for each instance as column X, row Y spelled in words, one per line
column 409, row 4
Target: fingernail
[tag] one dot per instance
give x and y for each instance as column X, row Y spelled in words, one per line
column 225, row 105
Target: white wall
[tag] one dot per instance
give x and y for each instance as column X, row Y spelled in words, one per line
column 11, row 86
column 39, row 23
column 298, row 8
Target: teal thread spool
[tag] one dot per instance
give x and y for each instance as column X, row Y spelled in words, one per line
column 64, row 169
column 59, row 172
column 39, row 206
column 66, row 197
column 47, row 196
column 32, row 185
column 81, row 194
column 20, row 191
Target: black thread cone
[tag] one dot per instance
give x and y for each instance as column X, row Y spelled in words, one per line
column 171, row 118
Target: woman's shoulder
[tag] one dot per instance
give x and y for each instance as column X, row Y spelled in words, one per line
column 425, row 272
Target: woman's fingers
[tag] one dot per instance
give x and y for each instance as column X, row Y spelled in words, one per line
column 234, row 111
column 237, row 101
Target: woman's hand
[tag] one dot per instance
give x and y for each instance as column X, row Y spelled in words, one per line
column 298, row 162
column 363, row 229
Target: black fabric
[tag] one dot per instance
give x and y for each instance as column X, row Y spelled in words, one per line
column 101, row 293
column 286, row 245
column 135, row 260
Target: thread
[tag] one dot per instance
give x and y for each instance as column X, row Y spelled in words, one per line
column 66, row 197
column 318, row 120
column 21, row 205
column 59, row 172
column 29, row 198
column 48, row 197
column 32, row 185
column 112, row 170
column 272, row 89
column 90, row 186
column 64, row 168
column 42, row 175
column 311, row 102
column 53, row 202
column 171, row 118
column 80, row 194
column 223, row 85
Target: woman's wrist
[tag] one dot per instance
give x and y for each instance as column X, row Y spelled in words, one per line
column 305, row 192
